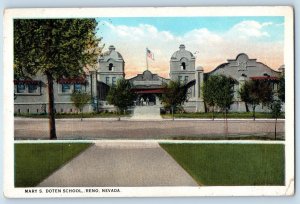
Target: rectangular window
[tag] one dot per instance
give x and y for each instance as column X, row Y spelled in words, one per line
column 77, row 87
column 179, row 78
column 107, row 80
column 113, row 80
column 186, row 79
column 65, row 88
column 20, row 88
column 32, row 88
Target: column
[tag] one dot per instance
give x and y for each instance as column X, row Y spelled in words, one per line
column 198, row 92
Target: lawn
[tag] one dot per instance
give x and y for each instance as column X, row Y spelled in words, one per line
column 34, row 162
column 231, row 164
column 220, row 115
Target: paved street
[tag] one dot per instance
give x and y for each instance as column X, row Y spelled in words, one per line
column 135, row 129
column 121, row 164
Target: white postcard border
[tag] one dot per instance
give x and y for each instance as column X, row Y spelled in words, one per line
column 285, row 11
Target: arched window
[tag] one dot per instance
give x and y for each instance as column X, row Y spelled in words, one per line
column 110, row 67
column 183, row 66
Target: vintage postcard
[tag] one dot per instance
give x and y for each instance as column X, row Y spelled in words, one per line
column 149, row 102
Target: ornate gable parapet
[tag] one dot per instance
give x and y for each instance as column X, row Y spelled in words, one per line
column 182, row 54
column 243, row 68
column 242, row 62
column 111, row 55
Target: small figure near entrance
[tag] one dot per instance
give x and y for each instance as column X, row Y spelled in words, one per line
column 147, row 100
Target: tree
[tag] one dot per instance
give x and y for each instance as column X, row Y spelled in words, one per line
column 244, row 94
column 275, row 107
column 209, row 89
column 55, row 48
column 225, row 93
column 175, row 94
column 281, row 89
column 218, row 91
column 80, row 99
column 255, row 92
column 121, row 95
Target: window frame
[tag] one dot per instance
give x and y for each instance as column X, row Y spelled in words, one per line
column 63, row 89
column 32, row 91
column 107, row 80
column 18, row 88
column 186, row 79
column 180, row 78
column 78, row 84
column 113, row 81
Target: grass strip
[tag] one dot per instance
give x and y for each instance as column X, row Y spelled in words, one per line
column 231, row 164
column 34, row 162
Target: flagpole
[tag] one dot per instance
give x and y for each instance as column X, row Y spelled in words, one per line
column 147, row 58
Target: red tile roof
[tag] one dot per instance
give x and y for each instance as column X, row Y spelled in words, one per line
column 79, row 80
column 264, row 78
column 28, row 81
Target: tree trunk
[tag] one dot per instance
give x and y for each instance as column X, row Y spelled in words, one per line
column 247, row 108
column 253, row 113
column 172, row 109
column 275, row 127
column 226, row 124
column 51, row 107
column 213, row 113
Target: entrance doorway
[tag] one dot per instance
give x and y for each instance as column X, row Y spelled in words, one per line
column 147, row 99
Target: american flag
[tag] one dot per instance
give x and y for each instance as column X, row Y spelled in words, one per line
column 150, row 54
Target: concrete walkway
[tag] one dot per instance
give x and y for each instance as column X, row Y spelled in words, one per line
column 122, row 164
column 146, row 113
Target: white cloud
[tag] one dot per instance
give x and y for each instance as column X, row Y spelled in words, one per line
column 212, row 48
column 246, row 29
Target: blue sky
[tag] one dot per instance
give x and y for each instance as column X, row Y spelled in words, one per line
column 180, row 25
column 215, row 38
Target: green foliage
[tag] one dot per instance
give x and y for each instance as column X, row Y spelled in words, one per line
column 281, row 89
column 55, row 48
column 254, row 92
column 218, row 91
column 175, row 95
column 275, row 107
column 209, row 89
column 80, row 99
column 60, row 47
column 231, row 164
column 35, row 162
column 121, row 95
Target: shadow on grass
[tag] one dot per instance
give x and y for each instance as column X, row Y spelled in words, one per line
column 34, row 162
